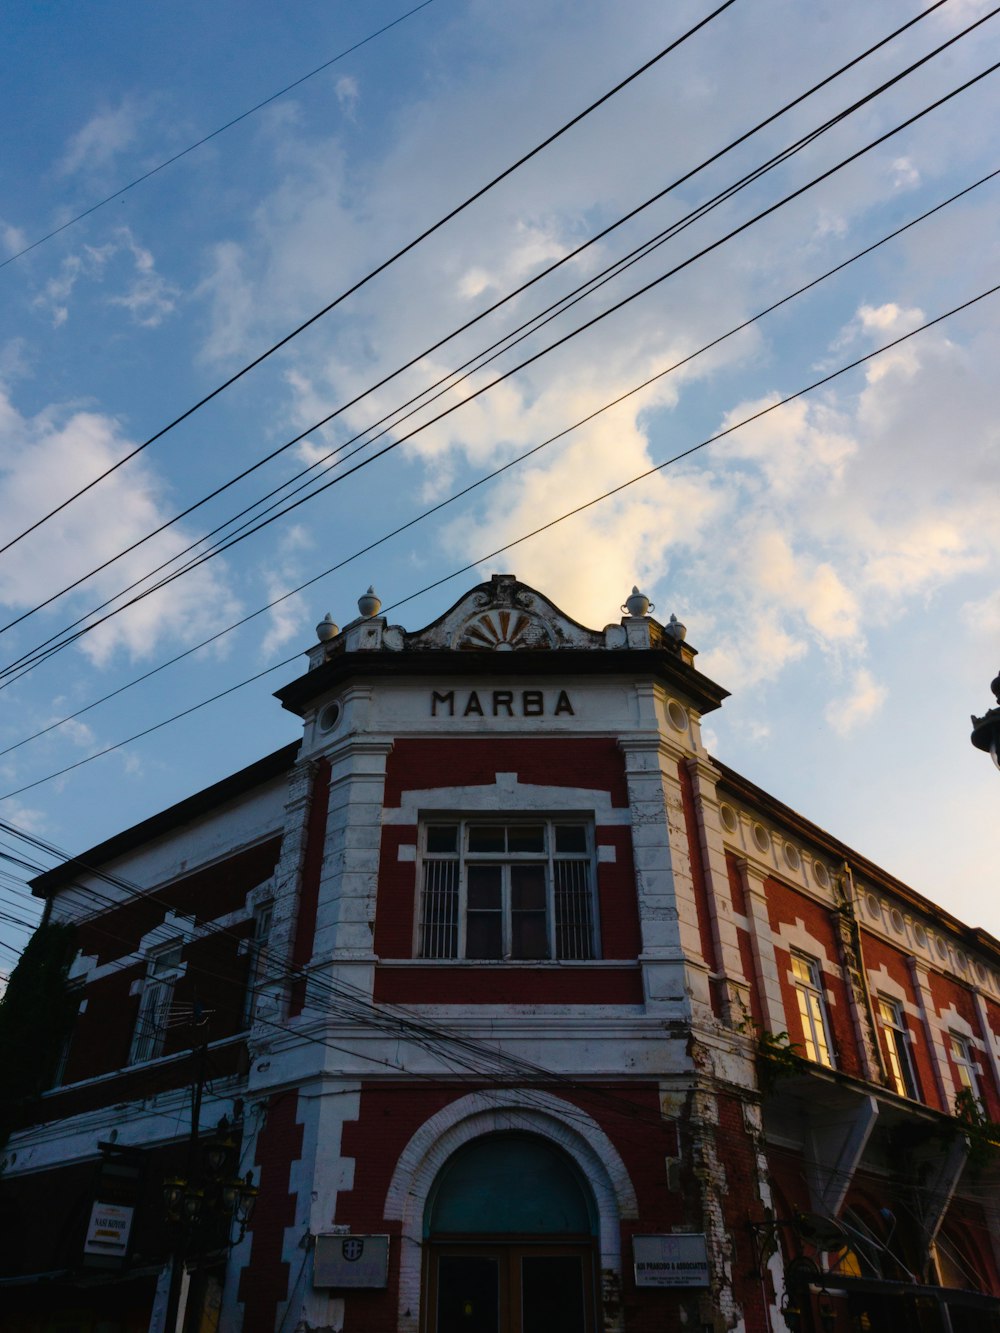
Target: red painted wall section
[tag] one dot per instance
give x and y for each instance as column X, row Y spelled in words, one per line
column 585, row 762
column 697, row 871
column 740, row 1201
column 787, row 907
column 737, row 890
column 389, row 1117
column 422, row 765
column 210, row 893
column 264, row 1282
column 312, row 869
column 880, row 954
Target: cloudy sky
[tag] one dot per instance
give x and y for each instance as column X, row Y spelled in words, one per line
column 835, row 561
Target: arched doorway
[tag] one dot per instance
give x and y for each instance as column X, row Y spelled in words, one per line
column 509, row 1241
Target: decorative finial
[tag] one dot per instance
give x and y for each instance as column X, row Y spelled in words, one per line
column 370, row 604
column 675, row 629
column 638, row 605
column 327, row 629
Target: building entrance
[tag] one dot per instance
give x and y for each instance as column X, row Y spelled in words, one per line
column 509, row 1241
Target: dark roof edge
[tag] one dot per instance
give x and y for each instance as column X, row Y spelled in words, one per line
column 663, row 662
column 737, row 785
column 254, row 775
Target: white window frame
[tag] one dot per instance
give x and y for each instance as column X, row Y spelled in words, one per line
column 257, row 957
column 807, row 980
column 964, row 1061
column 163, row 967
column 898, row 1047
column 443, row 936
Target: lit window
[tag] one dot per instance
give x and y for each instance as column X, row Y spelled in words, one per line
column 897, row 1048
column 965, row 1064
column 808, row 979
column 162, row 970
column 257, row 971
column 507, row 890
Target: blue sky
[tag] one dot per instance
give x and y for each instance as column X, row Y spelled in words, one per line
column 835, row 563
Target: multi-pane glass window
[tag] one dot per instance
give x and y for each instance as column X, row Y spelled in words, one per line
column 258, row 958
column 807, row 977
column 162, row 971
column 512, row 889
column 965, row 1064
column 897, row 1047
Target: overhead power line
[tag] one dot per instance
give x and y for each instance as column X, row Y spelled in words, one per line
column 373, row 273
column 259, row 106
column 481, row 359
column 545, row 527
column 39, row 654
column 505, row 467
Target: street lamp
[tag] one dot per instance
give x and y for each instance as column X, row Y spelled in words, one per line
column 986, row 729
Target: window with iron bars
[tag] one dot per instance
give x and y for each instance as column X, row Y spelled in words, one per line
column 507, row 889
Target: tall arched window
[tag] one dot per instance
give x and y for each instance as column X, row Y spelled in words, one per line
column 509, row 1237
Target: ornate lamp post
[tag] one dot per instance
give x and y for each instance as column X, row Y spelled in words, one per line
column 201, row 1205
column 986, row 729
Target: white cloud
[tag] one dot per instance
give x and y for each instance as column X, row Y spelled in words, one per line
column 49, row 456
column 146, row 295
column 859, row 706
column 95, row 146
column 348, row 94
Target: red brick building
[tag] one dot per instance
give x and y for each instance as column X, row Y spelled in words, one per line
column 524, row 1013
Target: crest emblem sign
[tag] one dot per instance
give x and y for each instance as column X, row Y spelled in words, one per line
column 353, row 1248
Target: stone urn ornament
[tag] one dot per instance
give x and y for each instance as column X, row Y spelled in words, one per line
column 369, row 604
column 327, row 629
column 675, row 629
column 638, row 605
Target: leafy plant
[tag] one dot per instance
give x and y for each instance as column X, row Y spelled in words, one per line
column 36, row 1015
column 982, row 1132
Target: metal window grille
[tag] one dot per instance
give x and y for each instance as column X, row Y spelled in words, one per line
column 574, row 911
column 439, row 926
column 507, row 890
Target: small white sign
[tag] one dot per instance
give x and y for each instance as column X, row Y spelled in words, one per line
column 109, row 1229
column 677, row 1260
column 351, row 1261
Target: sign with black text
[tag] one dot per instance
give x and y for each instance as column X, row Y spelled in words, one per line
column 677, row 1260
column 109, row 1230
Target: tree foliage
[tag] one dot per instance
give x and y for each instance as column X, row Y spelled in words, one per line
column 36, row 1015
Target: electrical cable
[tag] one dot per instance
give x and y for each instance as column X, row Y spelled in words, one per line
column 536, row 322
column 641, row 291
column 259, row 106
column 504, row 467
column 642, row 476
column 373, row 273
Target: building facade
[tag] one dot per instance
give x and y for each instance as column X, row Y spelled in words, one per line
column 522, row 1012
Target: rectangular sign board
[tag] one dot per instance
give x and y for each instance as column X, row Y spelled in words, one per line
column 351, row 1261
column 677, row 1260
column 109, row 1229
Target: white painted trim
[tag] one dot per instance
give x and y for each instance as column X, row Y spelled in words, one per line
column 482, row 1113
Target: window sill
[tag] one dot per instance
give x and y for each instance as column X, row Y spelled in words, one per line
column 536, row 964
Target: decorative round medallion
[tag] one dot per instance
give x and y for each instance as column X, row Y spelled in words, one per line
column 730, row 820
column 920, row 935
column 821, row 875
column 329, row 716
column 874, row 907
column 792, row 858
column 898, row 924
column 504, row 631
column 762, row 838
column 941, row 947
column 677, row 716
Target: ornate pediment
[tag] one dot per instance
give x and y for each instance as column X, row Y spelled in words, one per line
column 504, row 616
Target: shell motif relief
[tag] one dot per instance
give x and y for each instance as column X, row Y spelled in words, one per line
column 504, row 630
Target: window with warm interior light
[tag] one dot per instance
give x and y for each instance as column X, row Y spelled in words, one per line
column 807, row 977
column 896, row 1044
column 508, row 889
